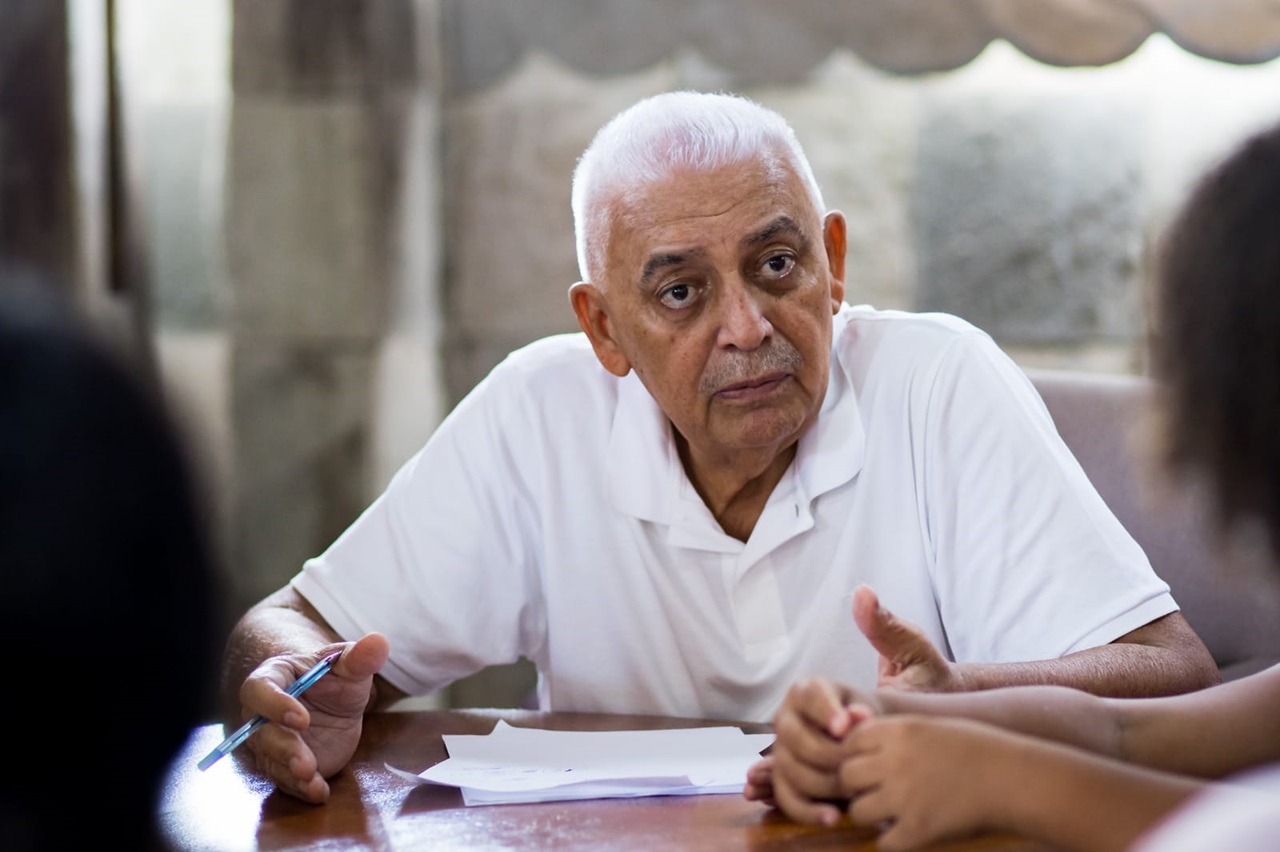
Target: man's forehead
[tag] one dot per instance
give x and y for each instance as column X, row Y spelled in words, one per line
column 725, row 204
column 711, row 186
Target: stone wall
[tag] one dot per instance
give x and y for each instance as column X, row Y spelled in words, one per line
column 37, row 228
column 291, row 192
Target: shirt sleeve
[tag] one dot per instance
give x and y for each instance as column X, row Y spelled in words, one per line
column 441, row 562
column 1029, row 563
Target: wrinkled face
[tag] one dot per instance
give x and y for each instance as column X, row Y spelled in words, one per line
column 719, row 293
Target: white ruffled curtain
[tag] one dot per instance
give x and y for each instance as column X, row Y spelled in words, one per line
column 766, row 41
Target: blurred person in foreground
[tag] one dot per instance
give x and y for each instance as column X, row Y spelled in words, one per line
column 1077, row 770
column 707, row 493
column 109, row 597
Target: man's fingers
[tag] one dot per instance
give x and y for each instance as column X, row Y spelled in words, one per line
column 313, row 788
column 278, row 745
column 281, row 756
column 315, row 791
column 263, row 694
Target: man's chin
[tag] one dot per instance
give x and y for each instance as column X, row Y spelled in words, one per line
column 761, row 430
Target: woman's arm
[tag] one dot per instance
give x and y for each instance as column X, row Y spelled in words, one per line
column 1056, row 713
column 819, row 718
column 1209, row 734
column 1206, row 734
column 926, row 779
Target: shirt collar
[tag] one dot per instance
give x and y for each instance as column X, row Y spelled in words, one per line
column 833, row 450
column 643, row 466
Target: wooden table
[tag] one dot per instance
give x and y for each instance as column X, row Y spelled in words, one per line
column 229, row 807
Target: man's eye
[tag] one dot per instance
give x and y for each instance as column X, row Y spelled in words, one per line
column 779, row 265
column 676, row 296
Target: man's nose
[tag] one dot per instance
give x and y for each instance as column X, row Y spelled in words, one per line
column 743, row 324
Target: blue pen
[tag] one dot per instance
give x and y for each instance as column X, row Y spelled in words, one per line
column 242, row 733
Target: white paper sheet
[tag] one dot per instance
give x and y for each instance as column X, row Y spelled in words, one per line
column 533, row 765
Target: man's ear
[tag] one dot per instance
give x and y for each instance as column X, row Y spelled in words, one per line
column 592, row 311
column 834, row 237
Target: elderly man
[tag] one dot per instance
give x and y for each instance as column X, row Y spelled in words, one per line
column 681, row 522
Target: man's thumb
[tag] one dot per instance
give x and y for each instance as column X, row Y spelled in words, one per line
column 366, row 656
column 893, row 638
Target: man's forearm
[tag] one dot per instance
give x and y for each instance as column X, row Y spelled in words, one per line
column 1164, row 657
column 1116, row 670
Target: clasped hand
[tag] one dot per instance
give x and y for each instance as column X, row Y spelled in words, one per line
column 921, row 779
column 836, row 749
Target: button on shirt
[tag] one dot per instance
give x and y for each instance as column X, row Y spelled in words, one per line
column 550, row 517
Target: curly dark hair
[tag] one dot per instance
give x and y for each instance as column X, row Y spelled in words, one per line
column 1216, row 348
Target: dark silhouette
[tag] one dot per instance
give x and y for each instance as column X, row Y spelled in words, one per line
column 109, row 591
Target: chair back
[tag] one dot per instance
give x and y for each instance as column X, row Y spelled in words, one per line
column 1101, row 418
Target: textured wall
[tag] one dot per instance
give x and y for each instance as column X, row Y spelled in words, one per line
column 331, row 107
column 37, row 227
column 290, row 188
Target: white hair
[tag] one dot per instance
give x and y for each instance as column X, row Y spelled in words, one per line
column 664, row 133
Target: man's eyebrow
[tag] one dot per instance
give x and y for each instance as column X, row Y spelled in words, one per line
column 781, row 225
column 658, row 262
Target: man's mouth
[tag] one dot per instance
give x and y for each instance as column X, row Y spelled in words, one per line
column 752, row 388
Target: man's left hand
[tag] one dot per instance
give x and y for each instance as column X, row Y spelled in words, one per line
column 908, row 660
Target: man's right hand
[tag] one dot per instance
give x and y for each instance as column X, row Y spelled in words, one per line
column 312, row 736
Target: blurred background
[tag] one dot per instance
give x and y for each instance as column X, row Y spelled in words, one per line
column 317, row 223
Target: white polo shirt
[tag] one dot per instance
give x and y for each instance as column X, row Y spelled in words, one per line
column 549, row 516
